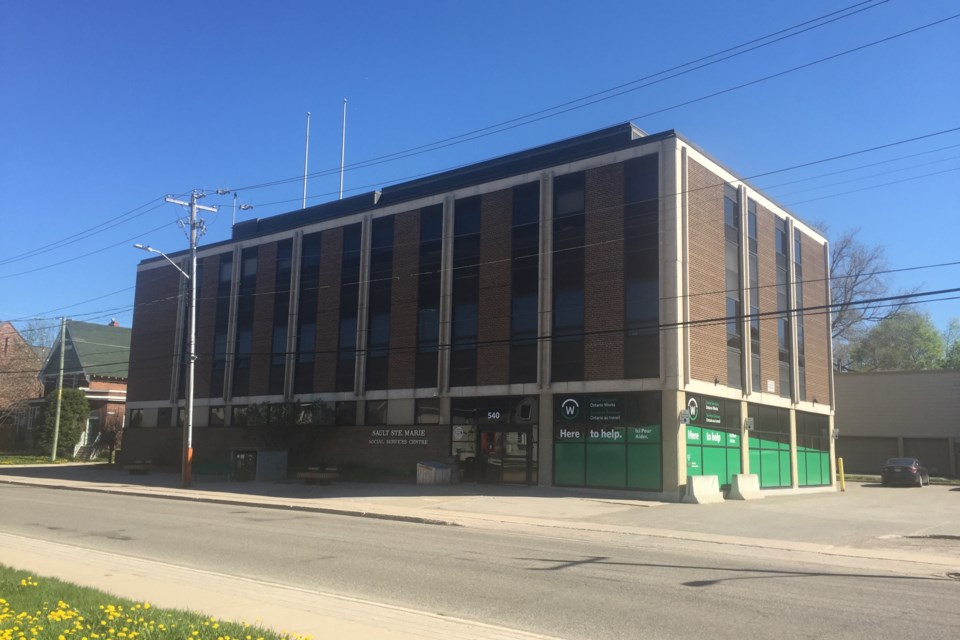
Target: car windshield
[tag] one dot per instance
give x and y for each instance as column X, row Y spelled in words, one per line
column 901, row 462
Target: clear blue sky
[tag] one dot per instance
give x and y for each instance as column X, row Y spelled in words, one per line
column 107, row 106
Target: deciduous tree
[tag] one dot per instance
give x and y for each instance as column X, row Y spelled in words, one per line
column 906, row 341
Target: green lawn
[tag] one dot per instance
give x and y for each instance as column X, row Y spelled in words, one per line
column 48, row 609
column 14, row 459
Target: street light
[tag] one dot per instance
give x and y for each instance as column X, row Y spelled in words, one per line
column 187, row 461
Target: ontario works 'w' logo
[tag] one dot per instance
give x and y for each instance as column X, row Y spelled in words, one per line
column 694, row 408
column 570, row 409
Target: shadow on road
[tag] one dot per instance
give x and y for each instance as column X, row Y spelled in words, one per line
column 752, row 574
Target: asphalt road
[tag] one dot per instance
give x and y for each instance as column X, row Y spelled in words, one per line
column 608, row 587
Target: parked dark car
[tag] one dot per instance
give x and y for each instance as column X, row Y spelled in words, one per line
column 904, row 471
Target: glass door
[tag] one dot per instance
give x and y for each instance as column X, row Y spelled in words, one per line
column 503, row 455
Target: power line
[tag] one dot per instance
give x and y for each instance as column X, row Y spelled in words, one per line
column 638, row 117
column 566, row 106
column 125, row 308
column 806, row 311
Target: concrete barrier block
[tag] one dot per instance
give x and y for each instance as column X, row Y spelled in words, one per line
column 703, row 490
column 745, row 486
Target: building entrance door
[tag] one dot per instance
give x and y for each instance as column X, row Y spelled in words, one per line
column 504, row 455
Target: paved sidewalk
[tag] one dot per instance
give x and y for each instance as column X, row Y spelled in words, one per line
column 909, row 531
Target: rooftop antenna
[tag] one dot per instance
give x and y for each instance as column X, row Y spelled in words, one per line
column 343, row 144
column 306, row 155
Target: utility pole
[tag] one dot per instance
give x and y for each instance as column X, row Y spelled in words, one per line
column 56, row 420
column 187, row 462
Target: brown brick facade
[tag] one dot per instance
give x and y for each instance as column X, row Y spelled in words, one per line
column 263, row 319
column 403, row 308
column 816, row 324
column 603, row 274
column 493, row 331
column 767, row 258
column 206, row 322
column 328, row 310
column 153, row 337
column 707, row 298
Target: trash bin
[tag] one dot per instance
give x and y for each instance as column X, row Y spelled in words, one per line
column 431, row 472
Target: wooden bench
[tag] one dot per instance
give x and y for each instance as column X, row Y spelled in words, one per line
column 139, row 467
column 316, row 475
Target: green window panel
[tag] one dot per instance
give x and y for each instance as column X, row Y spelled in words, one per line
column 769, row 468
column 733, row 464
column 715, row 463
column 694, row 461
column 755, row 461
column 568, row 464
column 803, row 473
column 643, row 467
column 785, row 480
column 606, row 465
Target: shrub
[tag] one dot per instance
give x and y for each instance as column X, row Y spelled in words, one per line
column 74, row 412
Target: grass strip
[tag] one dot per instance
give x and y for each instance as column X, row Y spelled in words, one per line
column 37, row 608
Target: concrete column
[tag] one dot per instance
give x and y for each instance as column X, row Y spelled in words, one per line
column 360, row 361
column 178, row 355
column 744, row 438
column 232, row 322
column 794, row 471
column 674, row 437
column 833, row 451
column 545, row 329
column 545, row 440
column 673, row 306
column 446, row 297
column 293, row 314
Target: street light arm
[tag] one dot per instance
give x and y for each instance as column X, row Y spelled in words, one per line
column 148, row 248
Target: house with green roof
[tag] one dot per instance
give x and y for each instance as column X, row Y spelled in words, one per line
column 95, row 360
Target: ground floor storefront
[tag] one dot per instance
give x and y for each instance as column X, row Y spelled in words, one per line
column 647, row 442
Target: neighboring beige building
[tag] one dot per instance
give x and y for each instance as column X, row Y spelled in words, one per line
column 899, row 413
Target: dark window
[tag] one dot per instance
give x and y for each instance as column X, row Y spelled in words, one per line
column 216, row 417
column 307, row 313
column 427, row 411
column 281, row 315
column 221, row 324
column 349, row 301
column 524, row 283
column 136, row 418
column 782, row 246
column 734, row 303
column 378, row 307
column 428, row 296
column 245, row 305
column 641, row 274
column 568, row 277
column 798, row 304
column 164, row 415
column 754, row 278
column 376, row 412
column 346, row 413
column 239, row 416
column 466, row 291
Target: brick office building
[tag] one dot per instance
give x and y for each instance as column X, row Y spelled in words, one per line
column 546, row 317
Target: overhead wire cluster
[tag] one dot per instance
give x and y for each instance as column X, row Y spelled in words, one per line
column 512, row 123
